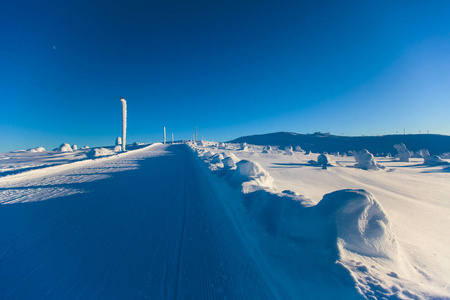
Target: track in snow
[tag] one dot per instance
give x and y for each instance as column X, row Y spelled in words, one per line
column 157, row 232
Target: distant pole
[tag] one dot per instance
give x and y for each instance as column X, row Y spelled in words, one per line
column 195, row 132
column 193, row 137
column 164, row 128
column 404, row 132
column 172, row 137
column 124, row 123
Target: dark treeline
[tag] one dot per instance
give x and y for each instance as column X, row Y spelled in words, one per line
column 320, row 142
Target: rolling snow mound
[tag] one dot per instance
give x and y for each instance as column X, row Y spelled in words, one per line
column 359, row 223
column 252, row 176
column 99, row 152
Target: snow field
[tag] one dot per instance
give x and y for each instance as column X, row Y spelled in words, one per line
column 395, row 248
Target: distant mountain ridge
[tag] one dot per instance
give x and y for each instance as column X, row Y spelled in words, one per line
column 320, row 142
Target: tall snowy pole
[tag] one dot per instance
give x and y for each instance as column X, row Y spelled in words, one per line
column 164, row 128
column 195, row 132
column 124, row 123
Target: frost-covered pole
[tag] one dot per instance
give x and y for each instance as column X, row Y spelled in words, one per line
column 124, row 123
column 164, row 128
column 195, row 132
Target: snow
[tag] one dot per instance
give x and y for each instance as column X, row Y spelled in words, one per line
column 388, row 231
column 366, row 161
column 99, row 152
column 167, row 221
column 288, row 150
column 65, row 148
column 433, row 160
column 403, row 153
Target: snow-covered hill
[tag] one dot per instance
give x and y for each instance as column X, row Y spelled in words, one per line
column 320, row 142
column 222, row 221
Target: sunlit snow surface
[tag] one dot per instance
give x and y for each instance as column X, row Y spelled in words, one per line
column 173, row 222
column 414, row 199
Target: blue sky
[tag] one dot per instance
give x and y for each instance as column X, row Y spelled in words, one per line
column 232, row 68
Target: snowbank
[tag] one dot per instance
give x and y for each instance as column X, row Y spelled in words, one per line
column 230, row 161
column 217, row 158
column 99, row 152
column 252, row 176
column 366, row 161
column 358, row 223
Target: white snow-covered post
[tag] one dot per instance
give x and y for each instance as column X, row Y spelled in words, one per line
column 195, row 132
column 164, row 141
column 124, row 123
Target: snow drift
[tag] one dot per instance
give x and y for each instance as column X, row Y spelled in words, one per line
column 99, row 152
column 358, row 222
column 403, row 153
column 252, row 176
column 365, row 160
column 65, row 148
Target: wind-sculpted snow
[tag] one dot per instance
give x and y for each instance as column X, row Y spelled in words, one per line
column 403, row 153
column 358, row 223
column 252, row 176
column 65, row 148
column 366, row 161
column 99, row 152
column 344, row 245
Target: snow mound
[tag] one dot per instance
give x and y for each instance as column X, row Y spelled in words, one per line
column 230, row 161
column 403, row 153
column 118, row 148
column 208, row 154
column 299, row 149
column 217, row 158
column 359, row 223
column 222, row 145
column 433, row 160
column 421, row 153
column 244, row 147
column 322, row 160
column 99, row 152
column 37, row 149
column 252, row 176
column 85, row 147
column 65, row 148
column 118, row 141
column 366, row 161
column 74, row 147
column 288, row 150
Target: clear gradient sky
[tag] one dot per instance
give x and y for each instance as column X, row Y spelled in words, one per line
column 232, row 68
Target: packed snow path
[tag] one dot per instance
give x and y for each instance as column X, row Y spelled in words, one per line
column 156, row 230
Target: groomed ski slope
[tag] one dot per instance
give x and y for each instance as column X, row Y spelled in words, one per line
column 145, row 224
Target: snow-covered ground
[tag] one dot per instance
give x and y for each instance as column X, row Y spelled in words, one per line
column 173, row 222
column 405, row 253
